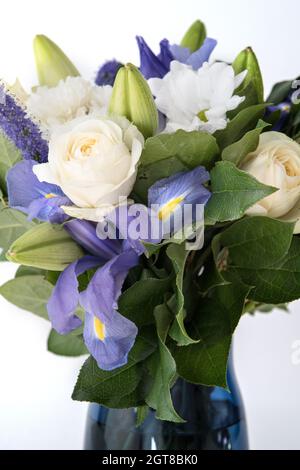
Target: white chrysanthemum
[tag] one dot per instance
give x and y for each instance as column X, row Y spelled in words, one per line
column 71, row 98
column 197, row 99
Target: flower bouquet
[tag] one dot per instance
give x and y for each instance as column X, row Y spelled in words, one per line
column 149, row 211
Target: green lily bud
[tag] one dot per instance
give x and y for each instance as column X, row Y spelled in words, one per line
column 247, row 60
column 45, row 246
column 195, row 36
column 132, row 98
column 51, row 62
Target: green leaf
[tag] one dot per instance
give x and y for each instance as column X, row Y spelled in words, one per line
column 139, row 301
column 124, row 387
column 236, row 152
column 190, row 148
column 246, row 120
column 9, row 156
column 178, row 255
column 66, row 345
column 12, row 225
column 233, row 192
column 263, row 254
column 256, row 242
column 163, row 371
column 28, row 271
column 206, row 362
column 273, row 284
column 195, row 36
column 45, row 246
column 29, row 292
column 280, row 92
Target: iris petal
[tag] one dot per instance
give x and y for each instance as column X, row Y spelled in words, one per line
column 27, row 194
column 65, row 296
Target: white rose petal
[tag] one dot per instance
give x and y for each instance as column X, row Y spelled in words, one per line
column 94, row 161
column 276, row 162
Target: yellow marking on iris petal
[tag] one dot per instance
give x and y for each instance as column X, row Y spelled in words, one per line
column 99, row 329
column 169, row 207
column 50, row 195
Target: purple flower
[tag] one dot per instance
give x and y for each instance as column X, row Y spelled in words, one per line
column 159, row 65
column 84, row 233
column 108, row 335
column 39, row 200
column 20, row 129
column 107, row 73
column 195, row 59
column 65, row 296
column 169, row 196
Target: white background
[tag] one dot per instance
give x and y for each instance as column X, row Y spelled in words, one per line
column 36, row 411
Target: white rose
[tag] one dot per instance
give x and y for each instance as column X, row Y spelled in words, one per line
column 276, row 162
column 94, row 161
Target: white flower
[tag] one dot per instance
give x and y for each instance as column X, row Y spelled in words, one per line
column 276, row 162
column 94, row 161
column 71, row 98
column 197, row 99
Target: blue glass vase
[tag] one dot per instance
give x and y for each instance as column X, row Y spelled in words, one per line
column 215, row 420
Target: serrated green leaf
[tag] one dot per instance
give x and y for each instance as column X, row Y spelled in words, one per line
column 192, row 149
column 206, row 362
column 263, row 254
column 256, row 242
column 163, row 371
column 273, row 284
column 124, row 387
column 246, row 120
column 29, row 292
column 139, row 301
column 66, row 345
column 45, row 246
column 233, row 192
column 236, row 152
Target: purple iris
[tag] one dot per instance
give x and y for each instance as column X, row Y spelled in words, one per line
column 159, row 65
column 20, row 129
column 107, row 335
column 39, row 200
column 107, row 73
column 172, row 195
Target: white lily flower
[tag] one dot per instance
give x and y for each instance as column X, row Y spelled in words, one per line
column 197, row 99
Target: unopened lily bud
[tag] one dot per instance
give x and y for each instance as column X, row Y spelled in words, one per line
column 45, row 246
column 195, row 36
column 51, row 62
column 247, row 60
column 133, row 99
